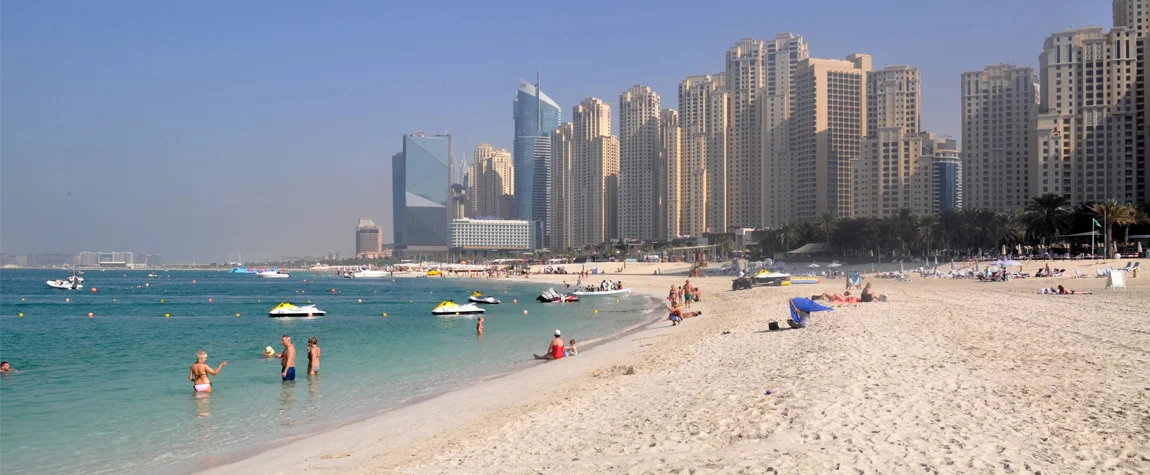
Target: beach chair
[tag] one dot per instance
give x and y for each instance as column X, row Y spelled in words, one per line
column 1078, row 274
column 854, row 280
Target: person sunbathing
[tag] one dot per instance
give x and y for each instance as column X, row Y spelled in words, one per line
column 1065, row 291
column 677, row 314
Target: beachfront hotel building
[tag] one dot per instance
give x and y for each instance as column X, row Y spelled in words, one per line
column 491, row 183
column 894, row 172
column 368, row 239
column 703, row 106
column 946, row 179
column 827, row 127
column 745, row 79
column 639, row 145
column 1089, row 101
column 491, row 235
column 999, row 106
column 593, row 207
column 782, row 59
column 668, row 176
column 421, row 190
column 536, row 115
column 562, row 154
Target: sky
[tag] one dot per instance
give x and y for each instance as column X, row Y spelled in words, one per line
column 199, row 129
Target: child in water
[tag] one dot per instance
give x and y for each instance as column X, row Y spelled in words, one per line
column 479, row 327
column 572, row 351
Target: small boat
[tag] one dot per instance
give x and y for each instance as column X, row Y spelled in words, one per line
column 449, row 307
column 765, row 277
column 153, row 274
column 64, row 285
column 551, row 296
column 602, row 293
column 480, row 298
column 367, row 274
column 288, row 309
column 272, row 274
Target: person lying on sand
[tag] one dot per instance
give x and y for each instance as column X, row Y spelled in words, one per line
column 1065, row 291
column 677, row 314
column 555, row 351
column 844, row 297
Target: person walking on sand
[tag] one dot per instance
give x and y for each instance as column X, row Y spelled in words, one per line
column 199, row 372
column 313, row 355
column 555, row 350
column 287, row 359
column 479, row 327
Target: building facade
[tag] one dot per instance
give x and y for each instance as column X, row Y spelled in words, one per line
column 594, row 175
column 1089, row 85
column 491, row 186
column 782, row 59
column 894, row 171
column 946, row 182
column 999, row 108
column 536, row 115
column 639, row 146
column 746, row 77
column 703, row 106
column 562, row 157
column 368, row 239
column 827, row 127
column 669, row 173
column 421, row 192
column 491, row 234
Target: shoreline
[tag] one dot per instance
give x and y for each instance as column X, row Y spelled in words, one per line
column 255, row 459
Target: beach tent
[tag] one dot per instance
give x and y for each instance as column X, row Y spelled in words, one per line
column 801, row 309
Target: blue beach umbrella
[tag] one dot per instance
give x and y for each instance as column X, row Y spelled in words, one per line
column 801, row 308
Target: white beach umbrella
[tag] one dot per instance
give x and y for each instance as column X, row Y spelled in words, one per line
column 813, row 265
column 834, row 264
column 1004, row 249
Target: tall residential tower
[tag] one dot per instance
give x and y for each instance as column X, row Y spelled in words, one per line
column 536, row 115
column 639, row 145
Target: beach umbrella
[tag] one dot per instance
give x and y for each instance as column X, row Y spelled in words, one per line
column 900, row 269
column 1139, row 248
column 813, row 265
column 801, row 309
column 834, row 264
column 1004, row 249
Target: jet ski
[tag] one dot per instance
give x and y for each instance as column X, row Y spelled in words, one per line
column 288, row 309
column 449, row 307
column 480, row 298
column 550, row 295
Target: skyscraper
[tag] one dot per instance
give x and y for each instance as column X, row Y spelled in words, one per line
column 827, row 126
column 746, row 78
column 639, row 144
column 893, row 172
column 421, row 190
column 1089, row 92
column 703, row 107
column 782, row 59
column 536, row 115
column 669, row 174
column 562, row 155
column 594, row 175
column 946, row 180
column 999, row 105
column 368, row 239
column 492, row 183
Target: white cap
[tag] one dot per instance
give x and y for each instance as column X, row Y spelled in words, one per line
column 556, row 332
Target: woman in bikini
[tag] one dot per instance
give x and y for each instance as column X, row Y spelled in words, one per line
column 198, row 375
column 313, row 352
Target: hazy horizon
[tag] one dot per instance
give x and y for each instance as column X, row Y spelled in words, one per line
column 201, row 130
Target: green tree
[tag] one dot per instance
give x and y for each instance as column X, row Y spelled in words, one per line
column 1047, row 216
column 1110, row 213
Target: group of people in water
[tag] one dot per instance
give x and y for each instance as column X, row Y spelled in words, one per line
column 198, row 373
column 603, row 286
column 557, row 350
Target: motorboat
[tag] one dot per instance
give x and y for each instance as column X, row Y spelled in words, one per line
column 449, row 307
column 368, row 274
column 551, row 296
column 153, row 274
column 602, row 293
column 63, row 284
column 765, row 277
column 483, row 299
column 288, row 309
column 272, row 274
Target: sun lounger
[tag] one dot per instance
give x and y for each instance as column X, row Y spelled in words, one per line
column 1078, row 273
column 854, row 280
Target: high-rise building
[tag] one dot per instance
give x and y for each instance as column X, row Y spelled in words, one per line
column 782, row 59
column 669, row 176
column 999, row 106
column 639, row 144
column 946, row 182
column 703, row 113
column 827, row 126
column 746, row 78
column 491, row 184
column 1088, row 96
column 421, row 190
column 594, row 175
column 536, row 115
column 893, row 172
column 1135, row 15
column 368, row 239
column 562, row 155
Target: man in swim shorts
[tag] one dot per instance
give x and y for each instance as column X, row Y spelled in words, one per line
column 287, row 359
column 555, row 351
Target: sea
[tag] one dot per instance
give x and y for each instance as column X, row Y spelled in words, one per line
column 109, row 393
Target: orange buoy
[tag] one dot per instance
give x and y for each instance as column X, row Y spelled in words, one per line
column 210, row 300
column 93, row 290
column 67, row 300
column 525, row 312
column 333, row 291
column 90, row 315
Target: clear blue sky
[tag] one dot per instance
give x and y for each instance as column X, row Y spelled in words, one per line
column 196, row 129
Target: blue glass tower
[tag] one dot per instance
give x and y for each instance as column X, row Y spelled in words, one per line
column 421, row 190
column 536, row 115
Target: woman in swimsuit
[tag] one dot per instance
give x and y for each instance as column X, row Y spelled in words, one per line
column 198, row 375
column 313, row 355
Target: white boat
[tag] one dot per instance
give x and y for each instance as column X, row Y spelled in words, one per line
column 64, row 285
column 288, row 309
column 448, row 307
column 272, row 274
column 484, row 299
column 75, row 278
column 369, row 274
column 602, row 293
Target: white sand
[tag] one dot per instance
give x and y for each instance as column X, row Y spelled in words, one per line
column 948, row 377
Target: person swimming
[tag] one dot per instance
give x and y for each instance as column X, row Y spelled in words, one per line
column 199, row 372
column 5, row 367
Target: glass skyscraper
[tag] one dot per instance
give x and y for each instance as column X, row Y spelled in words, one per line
column 421, row 192
column 536, row 115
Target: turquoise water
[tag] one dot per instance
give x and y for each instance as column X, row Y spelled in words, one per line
column 110, row 393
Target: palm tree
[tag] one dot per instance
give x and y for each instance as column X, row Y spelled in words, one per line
column 1132, row 216
column 1111, row 213
column 787, row 235
column 826, row 226
column 927, row 230
column 1047, row 215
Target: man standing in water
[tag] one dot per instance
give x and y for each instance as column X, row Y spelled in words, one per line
column 287, row 359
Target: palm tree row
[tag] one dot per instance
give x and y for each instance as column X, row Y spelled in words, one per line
column 954, row 232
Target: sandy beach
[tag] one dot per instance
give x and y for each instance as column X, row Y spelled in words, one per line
column 949, row 376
